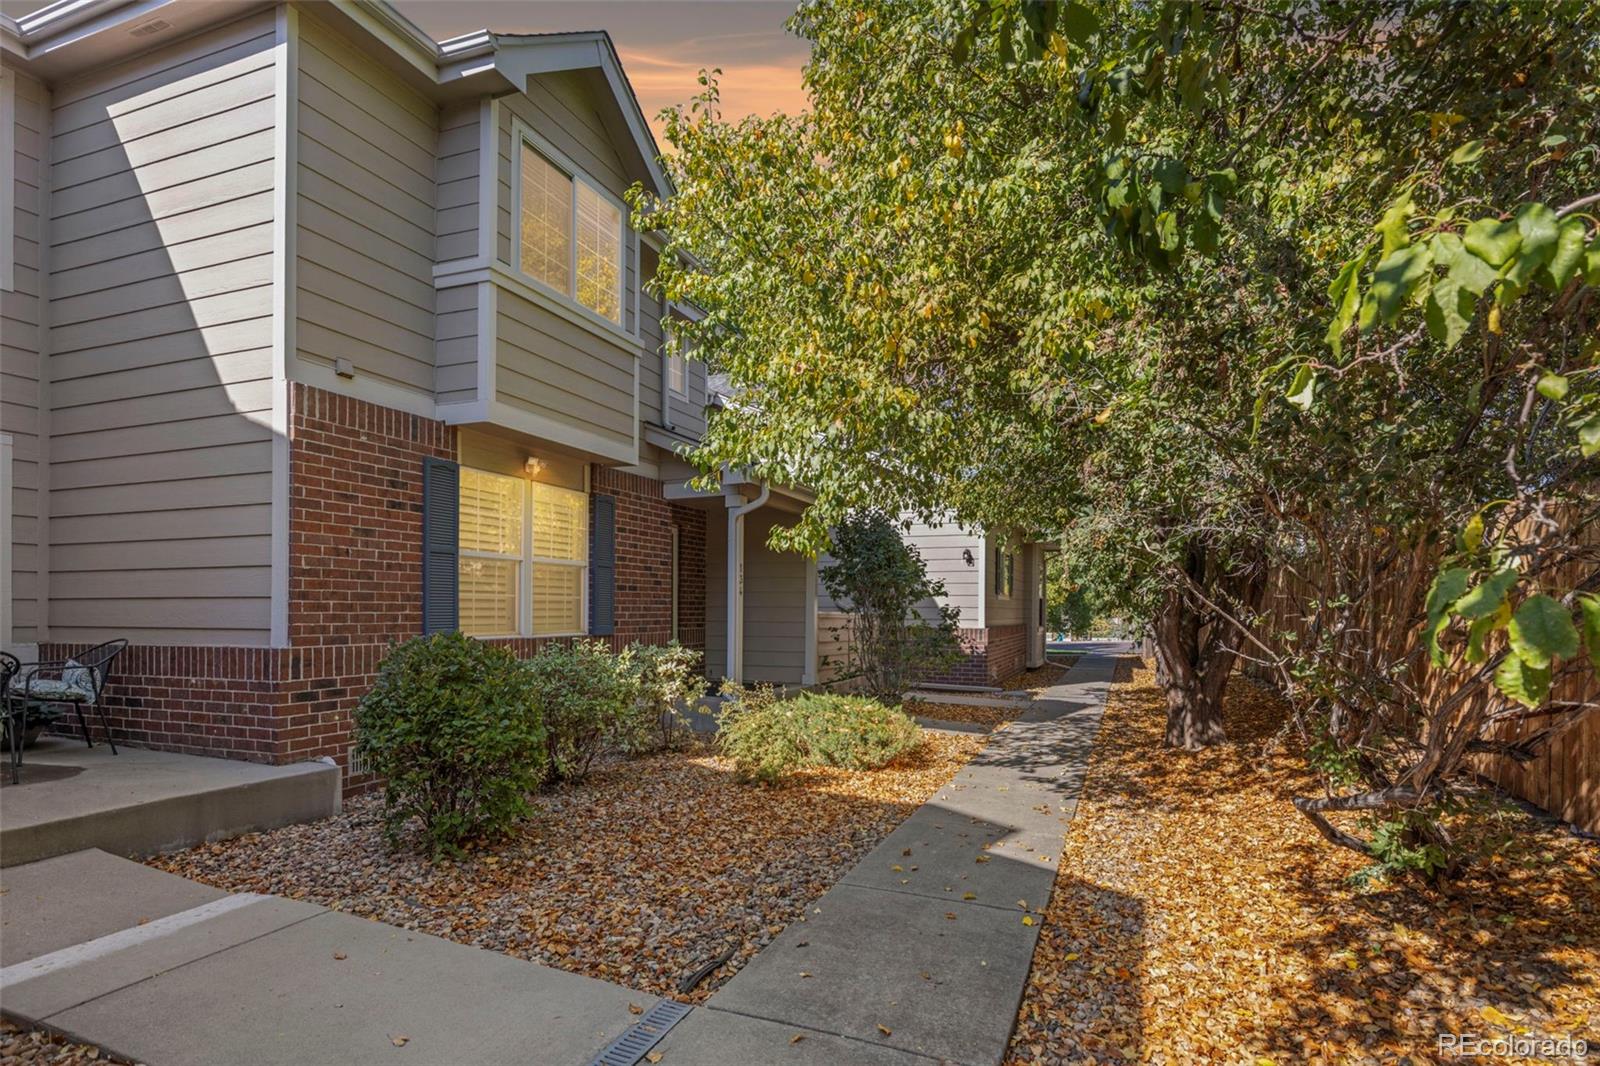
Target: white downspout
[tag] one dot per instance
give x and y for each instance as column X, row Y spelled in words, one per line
column 736, row 513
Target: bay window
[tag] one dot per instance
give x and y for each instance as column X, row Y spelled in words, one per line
column 569, row 230
column 524, row 556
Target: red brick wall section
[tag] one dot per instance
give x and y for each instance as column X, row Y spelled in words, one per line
column 355, row 519
column 992, row 655
column 198, row 700
column 644, row 560
column 355, row 537
column 691, row 523
column 1007, row 651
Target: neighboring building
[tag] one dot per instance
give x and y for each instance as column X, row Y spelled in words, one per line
column 301, row 306
column 996, row 585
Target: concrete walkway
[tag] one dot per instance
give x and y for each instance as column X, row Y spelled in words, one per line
column 165, row 971
column 920, row 952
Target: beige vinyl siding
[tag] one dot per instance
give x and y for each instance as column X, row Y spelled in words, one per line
column 941, row 546
column 561, row 372
column 651, row 339
column 368, row 149
column 20, row 335
column 774, row 606
column 774, row 603
column 689, row 411
column 160, row 344
column 456, row 173
column 456, row 345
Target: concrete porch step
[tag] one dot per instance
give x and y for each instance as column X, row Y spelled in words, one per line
column 141, row 802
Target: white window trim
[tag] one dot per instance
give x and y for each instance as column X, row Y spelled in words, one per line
column 8, row 180
column 526, row 561
column 521, row 134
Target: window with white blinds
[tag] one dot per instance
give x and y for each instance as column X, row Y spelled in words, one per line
column 560, row 558
column 599, row 253
column 546, row 221
column 524, row 556
column 569, row 231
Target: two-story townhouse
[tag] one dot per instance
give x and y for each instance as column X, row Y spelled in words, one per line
column 319, row 334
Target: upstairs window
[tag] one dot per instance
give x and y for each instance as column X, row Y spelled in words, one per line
column 677, row 366
column 569, row 233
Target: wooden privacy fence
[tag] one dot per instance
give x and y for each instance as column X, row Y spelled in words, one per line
column 1564, row 780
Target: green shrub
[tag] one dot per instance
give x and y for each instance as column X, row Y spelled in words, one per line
column 452, row 726
column 768, row 739
column 590, row 699
column 669, row 675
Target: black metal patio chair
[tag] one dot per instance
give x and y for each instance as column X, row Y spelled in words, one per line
column 9, row 665
column 78, row 682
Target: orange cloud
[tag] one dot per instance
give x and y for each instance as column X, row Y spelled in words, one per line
column 662, row 80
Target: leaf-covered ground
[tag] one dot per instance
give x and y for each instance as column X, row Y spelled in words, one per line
column 35, row 1047
column 640, row 875
column 1198, row 918
column 1036, row 681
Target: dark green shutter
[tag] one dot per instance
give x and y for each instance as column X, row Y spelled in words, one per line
column 603, row 566
column 441, row 504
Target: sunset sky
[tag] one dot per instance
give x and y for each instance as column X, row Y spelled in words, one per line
column 664, row 44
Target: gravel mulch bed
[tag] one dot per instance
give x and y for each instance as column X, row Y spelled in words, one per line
column 640, row 875
column 36, row 1047
column 1197, row 918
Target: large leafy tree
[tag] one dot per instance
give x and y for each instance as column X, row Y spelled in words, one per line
column 1224, row 291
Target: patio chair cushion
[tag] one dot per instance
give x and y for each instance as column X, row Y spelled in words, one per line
column 75, row 685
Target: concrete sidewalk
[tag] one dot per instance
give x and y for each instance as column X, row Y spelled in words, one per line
column 921, row 951
column 165, row 971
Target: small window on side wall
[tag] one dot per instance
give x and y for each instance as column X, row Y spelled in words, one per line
column 1004, row 571
column 677, row 366
column 569, row 232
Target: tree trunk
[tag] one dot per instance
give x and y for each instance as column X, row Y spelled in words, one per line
column 1195, row 649
column 1194, row 707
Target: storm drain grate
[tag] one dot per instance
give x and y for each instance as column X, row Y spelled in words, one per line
column 643, row 1035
